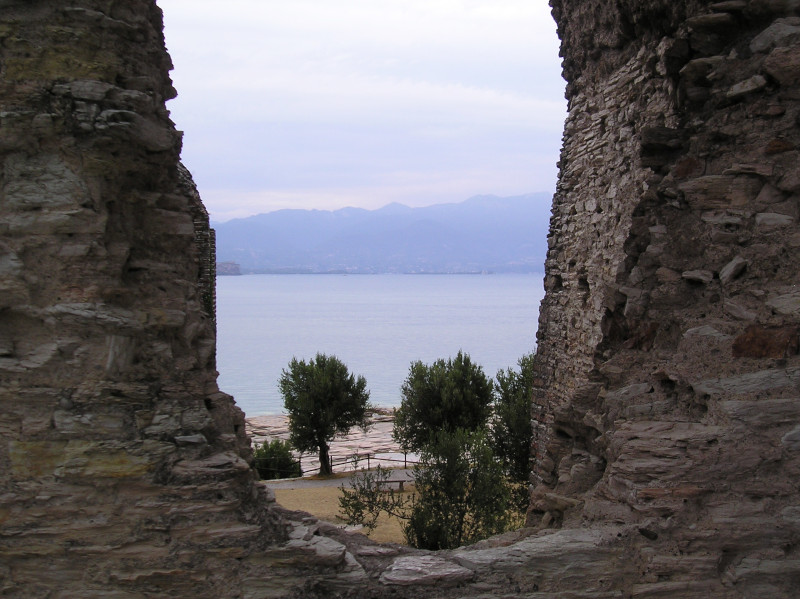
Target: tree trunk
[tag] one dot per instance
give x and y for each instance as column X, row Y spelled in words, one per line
column 324, row 459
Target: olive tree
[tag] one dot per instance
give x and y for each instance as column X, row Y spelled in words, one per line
column 444, row 396
column 510, row 425
column 461, row 494
column 323, row 400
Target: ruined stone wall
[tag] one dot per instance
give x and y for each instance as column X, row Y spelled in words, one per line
column 121, row 459
column 667, row 409
column 669, row 390
column 125, row 470
column 206, row 244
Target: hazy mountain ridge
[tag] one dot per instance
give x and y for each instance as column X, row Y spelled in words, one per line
column 483, row 233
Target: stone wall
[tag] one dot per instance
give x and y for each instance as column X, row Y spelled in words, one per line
column 206, row 243
column 666, row 413
column 669, row 389
column 119, row 451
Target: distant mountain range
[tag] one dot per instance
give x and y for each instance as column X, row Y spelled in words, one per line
column 482, row 234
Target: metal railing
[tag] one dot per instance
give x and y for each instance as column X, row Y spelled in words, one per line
column 354, row 460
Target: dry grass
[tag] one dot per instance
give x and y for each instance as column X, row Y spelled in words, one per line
column 323, row 502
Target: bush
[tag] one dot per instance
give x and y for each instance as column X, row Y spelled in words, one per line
column 474, row 441
column 462, row 494
column 367, row 497
column 510, row 427
column 275, row 460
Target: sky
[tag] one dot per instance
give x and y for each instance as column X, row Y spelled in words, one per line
column 332, row 103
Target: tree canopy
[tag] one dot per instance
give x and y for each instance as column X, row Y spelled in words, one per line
column 444, row 396
column 470, row 477
column 323, row 400
column 511, row 421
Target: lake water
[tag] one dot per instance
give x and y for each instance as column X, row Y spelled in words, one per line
column 376, row 324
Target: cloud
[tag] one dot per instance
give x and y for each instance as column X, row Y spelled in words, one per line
column 330, row 100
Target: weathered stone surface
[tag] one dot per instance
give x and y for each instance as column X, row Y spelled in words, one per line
column 424, row 570
column 698, row 276
column 681, row 424
column 778, row 146
column 782, row 32
column 113, row 448
column 738, row 311
column 748, row 86
column 767, row 342
column 762, row 413
column 786, row 303
column 770, row 219
column 732, row 269
column 705, row 331
column 783, row 64
column 792, row 439
column 719, row 191
column 749, row 383
column 665, row 432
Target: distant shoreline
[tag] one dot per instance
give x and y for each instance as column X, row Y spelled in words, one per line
column 349, row 273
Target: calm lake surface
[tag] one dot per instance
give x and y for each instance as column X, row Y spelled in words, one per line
column 376, row 324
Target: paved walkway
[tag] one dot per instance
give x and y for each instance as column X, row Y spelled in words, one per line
column 337, row 481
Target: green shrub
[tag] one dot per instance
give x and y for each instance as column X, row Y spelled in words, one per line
column 462, row 493
column 367, row 497
column 275, row 460
column 474, row 439
column 510, row 425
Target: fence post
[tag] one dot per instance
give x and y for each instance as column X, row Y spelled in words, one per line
column 405, row 459
column 368, row 466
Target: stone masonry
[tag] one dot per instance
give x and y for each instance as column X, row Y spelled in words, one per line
column 119, row 451
column 667, row 407
column 669, row 379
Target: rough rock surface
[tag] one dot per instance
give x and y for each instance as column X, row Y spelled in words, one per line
column 669, row 379
column 118, row 450
column 668, row 406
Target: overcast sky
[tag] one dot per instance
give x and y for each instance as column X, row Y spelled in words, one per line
column 333, row 103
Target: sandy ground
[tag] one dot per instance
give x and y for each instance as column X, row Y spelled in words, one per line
column 323, row 502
